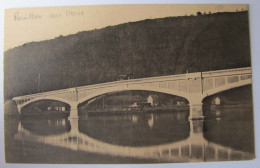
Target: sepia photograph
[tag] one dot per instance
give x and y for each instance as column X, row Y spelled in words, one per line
column 128, row 84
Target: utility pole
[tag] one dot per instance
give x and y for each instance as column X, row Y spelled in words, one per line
column 39, row 81
column 103, row 102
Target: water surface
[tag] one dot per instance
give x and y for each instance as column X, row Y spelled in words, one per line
column 131, row 138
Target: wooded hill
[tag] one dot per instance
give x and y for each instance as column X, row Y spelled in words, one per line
column 145, row 48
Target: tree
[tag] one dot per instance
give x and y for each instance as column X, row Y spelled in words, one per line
column 199, row 13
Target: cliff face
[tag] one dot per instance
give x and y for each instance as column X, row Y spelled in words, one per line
column 146, row 48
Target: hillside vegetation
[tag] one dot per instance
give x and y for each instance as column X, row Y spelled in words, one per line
column 145, row 48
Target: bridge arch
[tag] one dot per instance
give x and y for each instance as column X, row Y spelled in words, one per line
column 70, row 103
column 226, row 87
column 132, row 88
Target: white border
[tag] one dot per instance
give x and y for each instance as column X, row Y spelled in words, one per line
column 254, row 14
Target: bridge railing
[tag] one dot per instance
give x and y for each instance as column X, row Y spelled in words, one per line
column 49, row 93
column 227, row 72
column 135, row 81
column 178, row 77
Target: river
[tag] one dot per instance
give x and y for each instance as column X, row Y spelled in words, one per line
column 227, row 133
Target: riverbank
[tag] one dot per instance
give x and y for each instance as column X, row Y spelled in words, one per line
column 231, row 106
column 127, row 110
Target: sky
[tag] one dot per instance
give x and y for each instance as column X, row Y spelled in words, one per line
column 23, row 25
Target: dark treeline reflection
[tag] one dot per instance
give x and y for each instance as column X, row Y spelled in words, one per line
column 46, row 125
column 137, row 129
column 231, row 122
column 231, row 127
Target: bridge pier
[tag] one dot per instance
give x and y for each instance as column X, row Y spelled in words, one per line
column 19, row 107
column 196, row 111
column 74, row 124
column 196, row 131
column 196, row 127
column 74, row 112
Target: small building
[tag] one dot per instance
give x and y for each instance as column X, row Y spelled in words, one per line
column 153, row 100
column 217, row 101
column 50, row 108
column 150, row 100
column 180, row 103
column 141, row 104
column 134, row 105
column 144, row 104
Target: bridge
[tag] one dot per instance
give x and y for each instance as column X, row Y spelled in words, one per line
column 192, row 86
column 193, row 149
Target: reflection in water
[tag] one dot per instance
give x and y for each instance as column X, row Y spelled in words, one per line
column 45, row 126
column 136, row 129
column 165, row 137
column 230, row 126
column 151, row 121
column 134, row 118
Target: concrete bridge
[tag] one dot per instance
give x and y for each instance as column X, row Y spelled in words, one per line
column 192, row 86
column 193, row 149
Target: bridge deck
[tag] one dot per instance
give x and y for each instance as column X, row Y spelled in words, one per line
column 207, row 74
column 192, row 86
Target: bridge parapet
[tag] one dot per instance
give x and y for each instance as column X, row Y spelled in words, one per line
column 228, row 72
